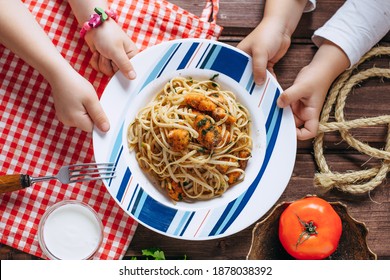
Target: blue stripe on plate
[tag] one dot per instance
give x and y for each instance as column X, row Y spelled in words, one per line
column 147, row 213
column 116, row 150
column 167, row 58
column 250, row 85
column 272, row 110
column 135, row 210
column 203, row 55
column 117, row 145
column 183, row 220
column 161, row 65
column 223, row 219
column 235, row 207
column 123, row 185
column 252, row 88
column 116, row 161
column 188, row 56
column 210, row 57
column 187, row 223
column 133, row 196
column 272, row 116
column 226, row 61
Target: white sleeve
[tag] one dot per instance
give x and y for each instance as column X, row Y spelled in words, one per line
column 356, row 27
column 310, row 6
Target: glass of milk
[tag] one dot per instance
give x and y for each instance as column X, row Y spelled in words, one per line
column 70, row 230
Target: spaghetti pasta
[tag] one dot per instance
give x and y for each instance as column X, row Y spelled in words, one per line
column 194, row 138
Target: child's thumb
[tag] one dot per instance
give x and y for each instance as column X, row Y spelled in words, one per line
column 122, row 61
column 97, row 115
column 289, row 96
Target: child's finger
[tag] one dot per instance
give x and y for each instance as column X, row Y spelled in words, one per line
column 308, row 131
column 97, row 115
column 95, row 61
column 85, row 123
column 105, row 66
column 122, row 61
column 289, row 96
column 260, row 61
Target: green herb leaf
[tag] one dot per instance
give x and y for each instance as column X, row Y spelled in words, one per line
column 202, row 122
column 155, row 253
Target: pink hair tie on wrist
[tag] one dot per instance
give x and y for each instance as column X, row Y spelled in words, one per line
column 97, row 19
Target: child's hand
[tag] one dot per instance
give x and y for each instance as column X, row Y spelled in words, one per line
column 267, row 44
column 76, row 102
column 111, row 49
column 306, row 97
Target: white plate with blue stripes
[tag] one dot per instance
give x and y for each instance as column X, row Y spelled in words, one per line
column 273, row 134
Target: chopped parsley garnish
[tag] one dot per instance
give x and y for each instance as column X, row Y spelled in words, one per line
column 204, row 131
column 202, row 122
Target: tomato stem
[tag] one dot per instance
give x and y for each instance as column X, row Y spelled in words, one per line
column 309, row 229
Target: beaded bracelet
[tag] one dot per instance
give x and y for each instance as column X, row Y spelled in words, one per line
column 97, row 19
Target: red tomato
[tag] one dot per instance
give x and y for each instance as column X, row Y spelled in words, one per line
column 310, row 229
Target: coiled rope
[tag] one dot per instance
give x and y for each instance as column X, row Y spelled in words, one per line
column 361, row 181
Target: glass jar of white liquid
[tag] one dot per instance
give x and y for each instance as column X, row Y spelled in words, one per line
column 70, row 230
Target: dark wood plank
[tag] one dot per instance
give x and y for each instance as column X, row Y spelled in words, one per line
column 9, row 253
column 239, row 17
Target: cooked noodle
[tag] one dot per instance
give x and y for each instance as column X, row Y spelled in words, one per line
column 194, row 138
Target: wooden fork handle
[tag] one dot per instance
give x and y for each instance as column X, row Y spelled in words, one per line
column 14, row 182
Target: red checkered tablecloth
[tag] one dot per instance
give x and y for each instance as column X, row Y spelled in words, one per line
column 34, row 142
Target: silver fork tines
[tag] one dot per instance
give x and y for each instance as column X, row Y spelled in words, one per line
column 91, row 171
column 80, row 172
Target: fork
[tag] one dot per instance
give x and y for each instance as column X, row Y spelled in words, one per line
column 66, row 175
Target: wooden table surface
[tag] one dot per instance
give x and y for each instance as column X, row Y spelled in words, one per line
column 371, row 99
